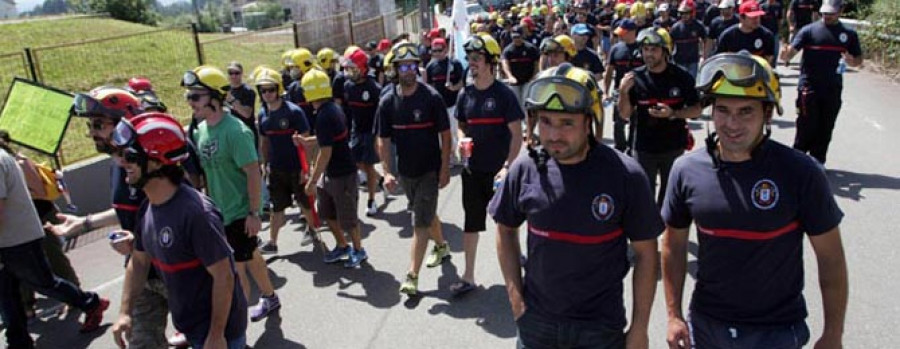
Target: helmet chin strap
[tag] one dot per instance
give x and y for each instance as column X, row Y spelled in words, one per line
column 146, row 175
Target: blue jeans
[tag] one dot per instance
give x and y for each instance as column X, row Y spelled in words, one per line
column 237, row 343
column 26, row 263
column 605, row 44
column 710, row 333
column 538, row 332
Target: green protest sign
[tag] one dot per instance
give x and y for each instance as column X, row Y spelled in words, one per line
column 35, row 115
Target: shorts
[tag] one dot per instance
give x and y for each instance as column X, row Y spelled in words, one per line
column 242, row 244
column 338, row 199
column 363, row 149
column 477, row 191
column 422, row 192
column 284, row 187
column 707, row 332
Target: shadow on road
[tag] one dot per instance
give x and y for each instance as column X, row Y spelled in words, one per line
column 273, row 336
column 63, row 333
column 850, row 185
column 784, row 123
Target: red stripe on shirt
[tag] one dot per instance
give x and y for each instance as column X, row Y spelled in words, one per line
column 280, row 132
column 575, row 238
column 125, row 207
column 360, row 104
column 517, row 60
column 341, row 136
column 666, row 101
column 174, row 268
column 826, row 48
column 485, row 121
column 415, row 126
column 750, row 235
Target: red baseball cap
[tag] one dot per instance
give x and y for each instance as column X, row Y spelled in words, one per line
column 750, row 8
column 384, row 45
column 439, row 42
column 434, row 33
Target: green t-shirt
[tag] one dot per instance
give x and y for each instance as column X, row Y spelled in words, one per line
column 224, row 150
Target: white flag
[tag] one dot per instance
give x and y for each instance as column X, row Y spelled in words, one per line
column 460, row 19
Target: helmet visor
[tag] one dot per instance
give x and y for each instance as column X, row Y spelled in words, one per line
column 475, row 43
column 557, row 94
column 649, row 36
column 406, row 52
column 124, row 135
column 738, row 69
column 86, row 106
column 549, row 45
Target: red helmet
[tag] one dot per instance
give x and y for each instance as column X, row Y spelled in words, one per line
column 139, row 84
column 359, row 59
column 156, row 136
column 527, row 22
column 111, row 102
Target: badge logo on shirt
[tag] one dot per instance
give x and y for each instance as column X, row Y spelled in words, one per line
column 284, row 124
column 603, row 207
column 765, row 194
column 417, row 115
column 674, row 92
column 209, row 149
column 843, row 38
column 757, row 43
column 132, row 193
column 490, row 104
column 365, row 96
column 166, row 237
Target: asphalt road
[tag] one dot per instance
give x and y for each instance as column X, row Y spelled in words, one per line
column 327, row 306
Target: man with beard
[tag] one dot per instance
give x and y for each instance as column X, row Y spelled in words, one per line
column 519, row 62
column 180, row 233
column 658, row 98
column 361, row 94
column 583, row 203
column 688, row 36
column 446, row 75
column 748, row 35
column 623, row 57
column 413, row 116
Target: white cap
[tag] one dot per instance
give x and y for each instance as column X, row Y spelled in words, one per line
column 726, row 4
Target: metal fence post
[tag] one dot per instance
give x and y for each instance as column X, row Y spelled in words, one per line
column 296, row 36
column 350, row 25
column 31, row 68
column 197, row 46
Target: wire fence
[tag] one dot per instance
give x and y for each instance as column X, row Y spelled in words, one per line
column 12, row 65
column 263, row 47
column 334, row 31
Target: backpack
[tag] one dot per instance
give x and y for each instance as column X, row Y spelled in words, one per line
column 50, row 181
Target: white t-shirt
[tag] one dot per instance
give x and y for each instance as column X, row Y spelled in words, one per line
column 19, row 222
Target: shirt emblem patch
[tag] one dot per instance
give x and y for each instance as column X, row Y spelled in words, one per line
column 489, row 104
column 765, row 194
column 674, row 92
column 757, row 43
column 603, row 207
column 284, row 124
column 417, row 115
column 165, row 237
column 365, row 96
column 209, row 149
column 843, row 38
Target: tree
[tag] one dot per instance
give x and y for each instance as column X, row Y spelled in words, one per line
column 138, row 11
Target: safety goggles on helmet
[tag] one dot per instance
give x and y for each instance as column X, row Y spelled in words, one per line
column 85, row 106
column 124, row 135
column 558, row 93
column 650, row 37
column 740, row 70
column 406, row 52
column 549, row 45
column 475, row 43
column 192, row 80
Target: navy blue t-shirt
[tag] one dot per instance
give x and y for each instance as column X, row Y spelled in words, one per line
column 589, row 60
column 751, row 217
column 437, row 78
column 710, row 15
column 279, row 127
column 760, row 42
column 774, row 14
column 362, row 101
column 580, row 218
column 802, row 12
column 822, row 47
column 126, row 200
column 414, row 123
column 673, row 87
column 718, row 26
column 522, row 61
column 687, row 37
column 332, row 131
column 624, row 58
column 295, row 95
column 667, row 23
column 183, row 236
column 487, row 114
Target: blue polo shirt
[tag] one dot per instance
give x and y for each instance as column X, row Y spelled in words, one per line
column 751, row 217
column 126, row 200
column 580, row 218
column 822, row 47
column 589, row 60
column 487, row 114
column 414, row 123
column 332, row 131
column 279, row 126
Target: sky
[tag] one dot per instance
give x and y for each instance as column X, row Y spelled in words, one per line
column 27, row 5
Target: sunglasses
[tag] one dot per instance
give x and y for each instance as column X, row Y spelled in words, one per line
column 234, row 73
column 264, row 90
column 97, row 125
column 474, row 57
column 407, row 67
column 437, row 50
column 128, row 154
column 193, row 97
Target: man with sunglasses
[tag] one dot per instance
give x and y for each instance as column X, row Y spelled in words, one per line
column 749, row 34
column 361, row 92
column 688, row 35
column 180, row 234
column 824, row 44
column 231, row 162
column 489, row 113
column 658, row 98
column 583, row 203
column 519, row 62
column 413, row 116
column 241, row 98
column 623, row 57
column 752, row 201
column 446, row 75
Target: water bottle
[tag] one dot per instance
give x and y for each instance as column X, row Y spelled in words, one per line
column 842, row 67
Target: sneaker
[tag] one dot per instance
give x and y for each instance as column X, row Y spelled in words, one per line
column 309, row 237
column 372, row 209
column 438, row 254
column 356, row 258
column 93, row 317
column 178, row 340
column 302, row 224
column 266, row 306
column 338, row 253
column 410, row 286
column 269, row 248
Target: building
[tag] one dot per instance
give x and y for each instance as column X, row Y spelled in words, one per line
column 8, row 9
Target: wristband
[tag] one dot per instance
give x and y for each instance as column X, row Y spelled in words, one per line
column 87, row 226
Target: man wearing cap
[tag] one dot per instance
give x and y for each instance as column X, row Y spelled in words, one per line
column 725, row 20
column 530, row 32
column 752, row 201
column 376, row 60
column 824, row 44
column 605, row 17
column 425, row 45
column 663, row 19
column 800, row 13
column 413, row 116
column 583, row 203
column 772, row 21
column 241, row 98
column 586, row 58
column 748, row 35
column 688, row 35
column 712, row 12
column 623, row 58
column 446, row 75
column 658, row 98
column 519, row 62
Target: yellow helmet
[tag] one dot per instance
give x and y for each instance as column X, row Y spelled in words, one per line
column 405, row 51
column 638, row 10
column 267, row 76
column 286, row 61
column 207, row 77
column 739, row 75
column 303, row 59
column 544, row 10
column 564, row 89
column 316, row 85
column 388, row 64
column 473, row 27
column 656, row 37
column 514, row 9
column 257, row 70
column 493, row 16
column 567, row 44
column 350, row 50
column 650, row 5
column 326, row 57
column 484, row 43
column 501, row 22
column 620, row 9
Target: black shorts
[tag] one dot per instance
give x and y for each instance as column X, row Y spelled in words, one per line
column 363, row 149
column 242, row 244
column 478, row 189
column 285, row 187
